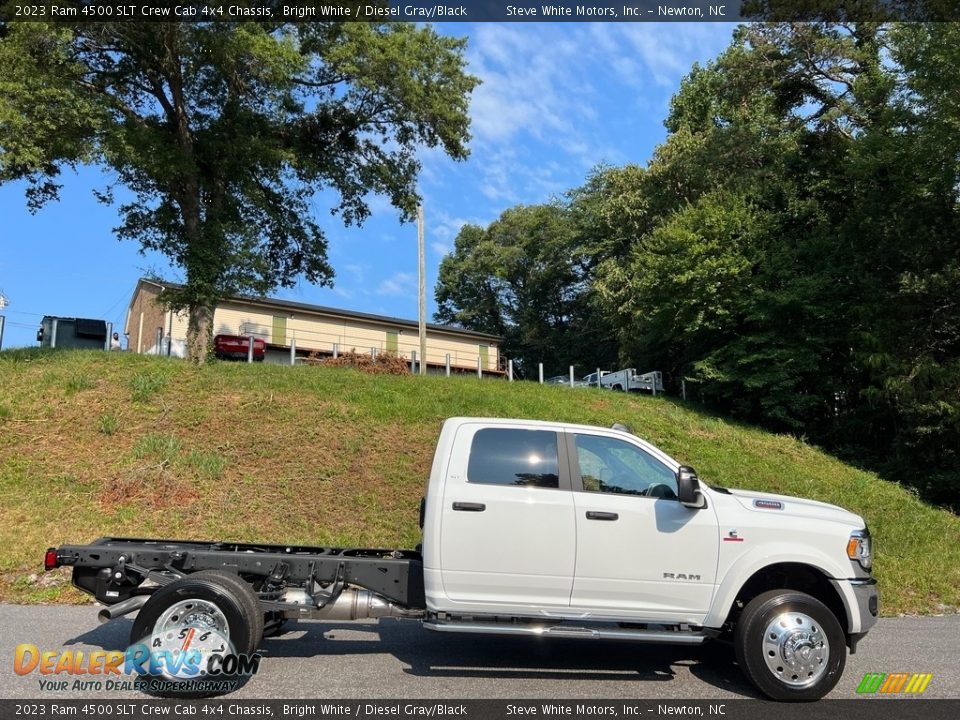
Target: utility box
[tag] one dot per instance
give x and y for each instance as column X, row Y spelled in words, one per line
column 77, row 333
column 629, row 379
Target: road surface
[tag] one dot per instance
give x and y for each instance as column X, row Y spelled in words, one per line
column 399, row 659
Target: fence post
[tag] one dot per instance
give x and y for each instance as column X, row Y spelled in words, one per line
column 159, row 342
column 598, row 378
column 479, row 368
column 2, row 321
column 106, row 342
column 683, row 389
column 510, row 370
column 540, row 372
column 448, row 364
column 336, row 350
column 53, row 333
column 413, row 361
column 250, row 348
column 571, row 376
column 293, row 351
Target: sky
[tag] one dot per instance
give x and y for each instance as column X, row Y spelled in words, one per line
column 556, row 100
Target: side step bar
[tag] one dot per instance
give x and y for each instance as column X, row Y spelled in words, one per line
column 648, row 636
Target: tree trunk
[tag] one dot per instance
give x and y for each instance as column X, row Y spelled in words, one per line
column 199, row 333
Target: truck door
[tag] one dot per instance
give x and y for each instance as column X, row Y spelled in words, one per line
column 507, row 533
column 640, row 553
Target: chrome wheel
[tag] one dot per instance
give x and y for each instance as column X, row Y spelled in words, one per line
column 193, row 613
column 187, row 623
column 186, row 633
column 796, row 649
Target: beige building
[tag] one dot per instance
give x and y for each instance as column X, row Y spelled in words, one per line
column 151, row 328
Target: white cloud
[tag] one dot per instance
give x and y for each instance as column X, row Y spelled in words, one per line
column 441, row 249
column 400, row 283
column 555, row 90
column 357, row 271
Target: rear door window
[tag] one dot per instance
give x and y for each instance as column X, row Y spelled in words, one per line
column 507, row 456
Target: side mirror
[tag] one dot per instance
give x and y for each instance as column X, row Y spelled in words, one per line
column 688, row 488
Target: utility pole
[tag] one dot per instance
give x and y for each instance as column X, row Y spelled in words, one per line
column 423, row 296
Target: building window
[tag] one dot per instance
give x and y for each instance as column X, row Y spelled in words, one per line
column 279, row 330
column 393, row 341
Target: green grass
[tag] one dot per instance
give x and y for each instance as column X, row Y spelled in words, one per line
column 108, row 424
column 145, row 385
column 147, row 446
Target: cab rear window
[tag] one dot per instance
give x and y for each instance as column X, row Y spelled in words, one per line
column 504, row 456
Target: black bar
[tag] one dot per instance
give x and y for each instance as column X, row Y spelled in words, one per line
column 138, row 705
column 293, row 11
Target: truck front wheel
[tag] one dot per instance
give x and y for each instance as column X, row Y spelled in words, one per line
column 196, row 633
column 790, row 645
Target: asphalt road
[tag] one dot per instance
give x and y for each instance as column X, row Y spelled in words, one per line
column 399, row 659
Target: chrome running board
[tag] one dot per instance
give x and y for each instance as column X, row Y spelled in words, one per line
column 562, row 631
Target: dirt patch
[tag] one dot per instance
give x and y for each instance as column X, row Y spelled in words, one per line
column 380, row 364
column 156, row 488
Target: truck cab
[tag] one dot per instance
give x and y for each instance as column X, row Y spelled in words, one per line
column 584, row 531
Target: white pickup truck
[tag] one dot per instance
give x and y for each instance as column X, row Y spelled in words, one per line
column 629, row 379
column 543, row 529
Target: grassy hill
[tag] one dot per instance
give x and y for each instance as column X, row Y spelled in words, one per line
column 98, row 444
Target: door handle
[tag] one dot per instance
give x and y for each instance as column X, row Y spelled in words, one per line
column 592, row 515
column 469, row 507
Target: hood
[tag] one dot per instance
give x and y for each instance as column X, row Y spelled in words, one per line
column 766, row 503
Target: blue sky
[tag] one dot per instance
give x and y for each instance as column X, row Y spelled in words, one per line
column 556, row 100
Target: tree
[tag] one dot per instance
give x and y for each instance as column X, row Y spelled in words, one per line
column 524, row 277
column 793, row 245
column 224, row 132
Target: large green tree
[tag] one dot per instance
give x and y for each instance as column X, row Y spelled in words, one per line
column 796, row 255
column 224, row 133
column 525, row 277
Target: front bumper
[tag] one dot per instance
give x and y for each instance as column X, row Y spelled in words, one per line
column 862, row 603
column 868, row 602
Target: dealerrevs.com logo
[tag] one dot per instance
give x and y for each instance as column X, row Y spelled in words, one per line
column 190, row 660
column 894, row 683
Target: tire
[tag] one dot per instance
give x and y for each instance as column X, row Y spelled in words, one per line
column 245, row 594
column 220, row 605
column 790, row 646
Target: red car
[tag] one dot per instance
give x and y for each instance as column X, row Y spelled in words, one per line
column 234, row 347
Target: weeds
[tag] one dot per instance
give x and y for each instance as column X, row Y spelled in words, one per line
column 108, row 424
column 146, row 385
column 77, row 383
column 165, row 449
column 207, row 464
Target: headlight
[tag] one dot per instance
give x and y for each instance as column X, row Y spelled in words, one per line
column 859, row 548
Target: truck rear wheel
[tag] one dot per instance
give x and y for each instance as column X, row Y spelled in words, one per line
column 790, row 645
column 192, row 625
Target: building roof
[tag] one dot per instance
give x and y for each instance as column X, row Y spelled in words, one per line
column 289, row 306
